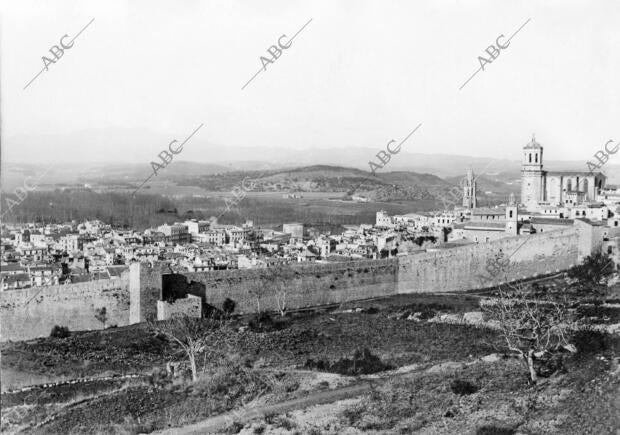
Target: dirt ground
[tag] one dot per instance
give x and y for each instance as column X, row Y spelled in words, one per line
column 584, row 400
column 274, row 366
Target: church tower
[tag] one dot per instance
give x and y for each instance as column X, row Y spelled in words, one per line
column 512, row 217
column 532, row 174
column 469, row 190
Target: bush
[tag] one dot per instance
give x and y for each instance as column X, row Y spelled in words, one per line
column 283, row 422
column 495, row 430
column 550, row 363
column 370, row 310
column 362, row 363
column 228, row 306
column 233, row 428
column 590, row 341
column 597, row 313
column 462, row 388
column 60, row 332
column 263, row 322
column 590, row 278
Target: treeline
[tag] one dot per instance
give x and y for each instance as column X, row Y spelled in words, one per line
column 148, row 210
column 117, row 209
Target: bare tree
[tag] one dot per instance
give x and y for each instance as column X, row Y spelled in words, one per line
column 193, row 335
column 281, row 301
column 256, row 288
column 531, row 325
column 101, row 314
column 281, row 279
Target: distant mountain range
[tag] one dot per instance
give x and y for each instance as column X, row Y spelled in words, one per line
column 407, row 176
column 136, row 147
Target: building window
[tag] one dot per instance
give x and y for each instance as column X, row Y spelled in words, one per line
column 510, row 213
column 530, row 157
column 536, row 157
column 609, row 250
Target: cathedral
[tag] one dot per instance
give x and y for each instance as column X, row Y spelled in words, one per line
column 552, row 188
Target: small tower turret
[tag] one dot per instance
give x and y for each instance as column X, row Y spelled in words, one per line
column 512, row 216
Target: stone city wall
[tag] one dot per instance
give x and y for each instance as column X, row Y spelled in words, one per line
column 33, row 312
column 134, row 297
column 464, row 268
column 300, row 285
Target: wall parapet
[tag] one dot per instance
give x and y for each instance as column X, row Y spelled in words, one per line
column 30, row 295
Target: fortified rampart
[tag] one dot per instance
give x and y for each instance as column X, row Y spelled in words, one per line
column 33, row 312
column 465, row 267
column 133, row 298
column 299, row 285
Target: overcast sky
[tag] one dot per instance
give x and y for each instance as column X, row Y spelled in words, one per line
column 360, row 74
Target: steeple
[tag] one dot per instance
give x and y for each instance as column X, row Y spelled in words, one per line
column 469, row 190
column 532, row 173
column 512, row 212
column 533, row 144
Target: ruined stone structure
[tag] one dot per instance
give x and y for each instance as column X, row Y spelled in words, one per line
column 134, row 297
column 190, row 306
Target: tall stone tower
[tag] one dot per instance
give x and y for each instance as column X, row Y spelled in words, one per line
column 145, row 289
column 512, row 217
column 469, row 190
column 532, row 174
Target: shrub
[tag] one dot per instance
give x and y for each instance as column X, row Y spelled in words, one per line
column 101, row 314
column 370, row 310
column 362, row 363
column 233, row 428
column 462, row 387
column 228, row 306
column 354, row 414
column 60, row 332
column 597, row 313
column 284, row 423
column 263, row 322
column 590, row 341
column 595, row 269
column 259, row 430
column 549, row 364
column 495, row 430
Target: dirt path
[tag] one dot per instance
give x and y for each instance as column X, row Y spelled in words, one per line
column 218, row 423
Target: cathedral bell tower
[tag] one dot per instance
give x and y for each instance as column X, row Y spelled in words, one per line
column 469, row 190
column 532, row 174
